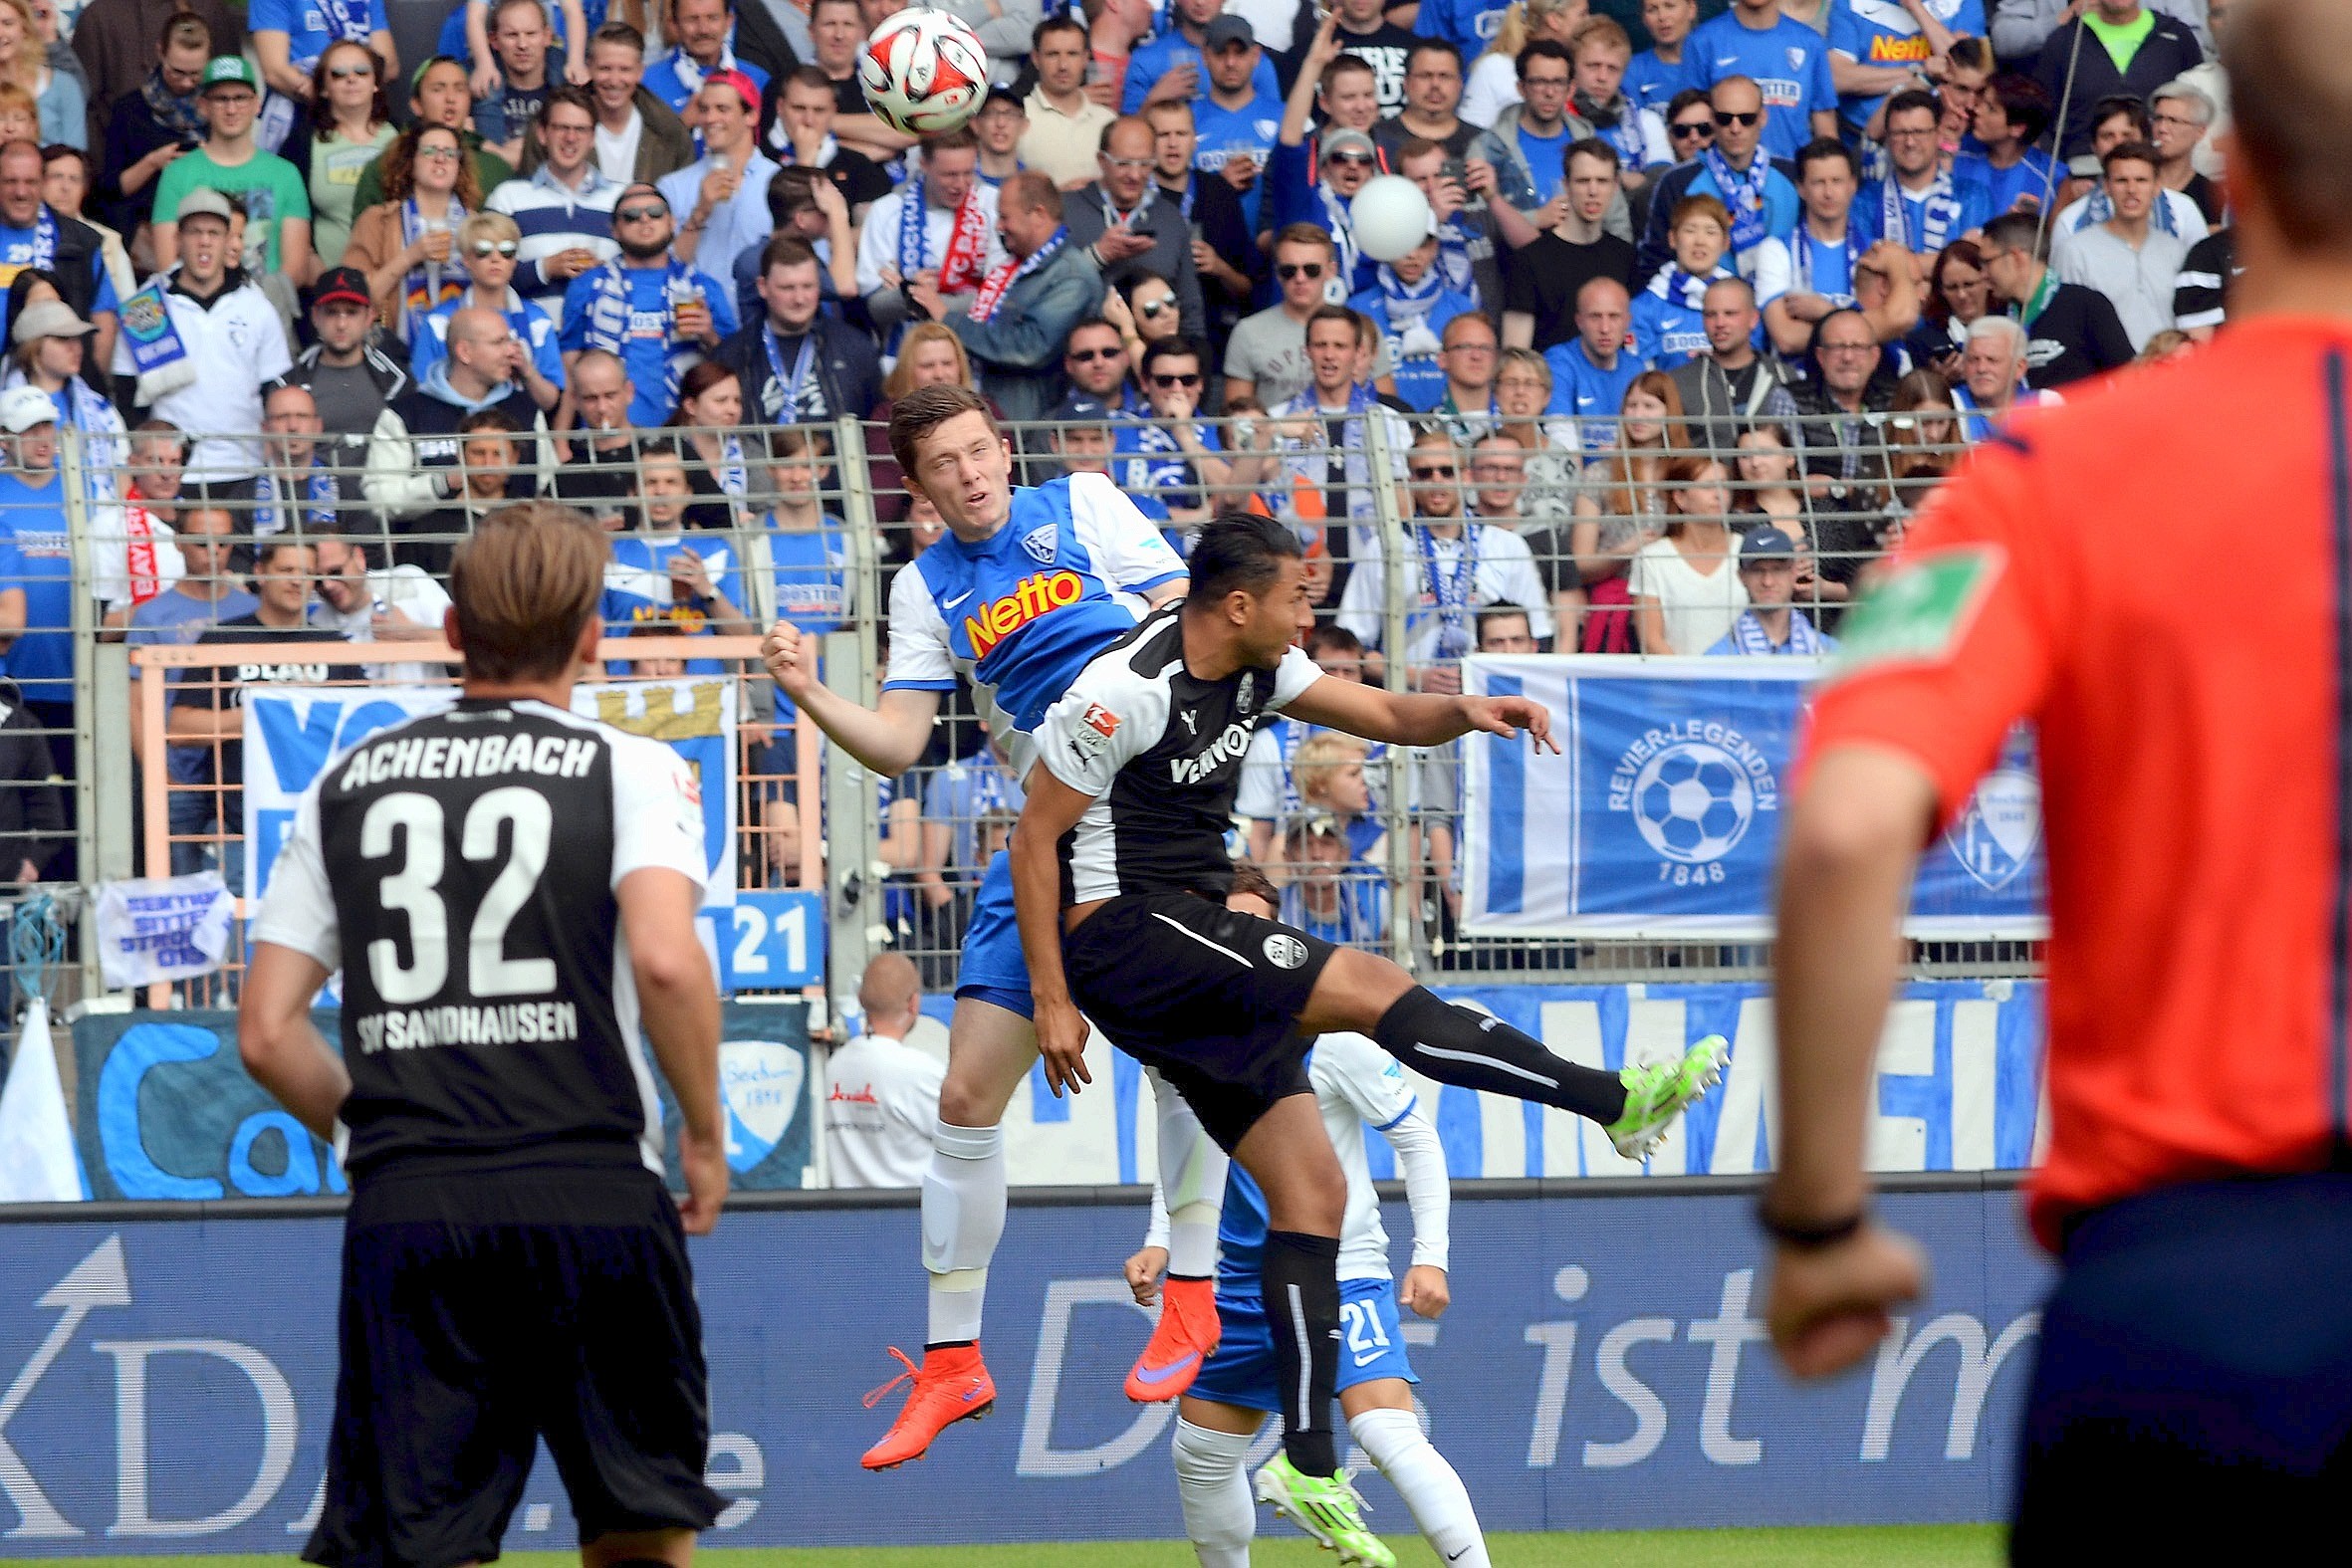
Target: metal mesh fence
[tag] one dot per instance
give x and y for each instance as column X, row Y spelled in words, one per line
column 160, row 580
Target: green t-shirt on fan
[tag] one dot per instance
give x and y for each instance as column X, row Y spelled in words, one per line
column 265, row 183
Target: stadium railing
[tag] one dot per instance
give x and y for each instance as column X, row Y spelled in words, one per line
column 898, row 863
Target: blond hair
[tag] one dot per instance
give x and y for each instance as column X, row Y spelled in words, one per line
column 1321, row 756
column 1519, row 25
column 525, row 582
column 30, row 51
column 492, row 226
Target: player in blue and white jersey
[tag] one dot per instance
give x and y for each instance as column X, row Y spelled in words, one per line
column 1026, row 586
column 1358, row 1086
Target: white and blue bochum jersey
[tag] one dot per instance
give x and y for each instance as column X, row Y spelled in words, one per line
column 1023, row 612
column 1358, row 1086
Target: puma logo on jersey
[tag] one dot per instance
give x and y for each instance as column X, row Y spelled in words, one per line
column 1226, row 747
column 1039, row 595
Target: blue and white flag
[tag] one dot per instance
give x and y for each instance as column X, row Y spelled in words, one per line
column 156, row 354
column 1663, row 817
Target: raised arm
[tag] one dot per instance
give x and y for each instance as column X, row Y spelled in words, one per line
column 1416, row 719
column 888, row 739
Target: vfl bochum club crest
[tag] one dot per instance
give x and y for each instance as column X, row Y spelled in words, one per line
column 1039, row 541
column 1995, row 837
column 760, row 1083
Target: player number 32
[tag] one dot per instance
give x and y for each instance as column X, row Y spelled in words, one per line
column 414, row 890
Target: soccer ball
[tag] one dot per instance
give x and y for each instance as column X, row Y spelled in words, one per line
column 1692, row 803
column 924, row 71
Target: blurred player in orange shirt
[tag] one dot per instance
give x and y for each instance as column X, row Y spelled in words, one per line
column 2194, row 1384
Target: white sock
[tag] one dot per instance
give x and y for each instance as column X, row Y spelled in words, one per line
column 1218, row 1515
column 1192, row 1177
column 1439, row 1501
column 963, row 1220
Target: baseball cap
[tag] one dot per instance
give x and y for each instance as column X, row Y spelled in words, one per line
column 1766, row 544
column 999, row 93
column 342, row 286
column 741, row 82
column 49, row 318
column 1345, row 140
column 229, row 70
column 204, row 201
column 1223, row 32
column 23, row 407
column 1081, row 411
column 2085, row 165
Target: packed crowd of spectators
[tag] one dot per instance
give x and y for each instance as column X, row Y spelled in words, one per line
column 1703, row 317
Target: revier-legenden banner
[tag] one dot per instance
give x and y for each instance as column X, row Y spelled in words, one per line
column 1663, row 817
column 291, row 731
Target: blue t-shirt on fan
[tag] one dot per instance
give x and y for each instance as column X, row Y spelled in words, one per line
column 637, row 586
column 1789, row 62
column 1547, row 161
column 1224, row 134
column 1171, row 51
column 311, row 24
column 1882, row 33
column 1969, row 206
column 1652, row 82
column 1420, row 378
column 2032, row 176
column 33, row 556
column 645, row 347
column 1470, row 25
column 1589, row 394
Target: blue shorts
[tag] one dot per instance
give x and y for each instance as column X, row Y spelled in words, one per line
column 1242, row 1372
column 994, row 970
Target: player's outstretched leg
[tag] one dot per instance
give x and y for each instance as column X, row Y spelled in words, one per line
column 1371, row 995
column 1220, row 1517
column 1192, row 1176
column 990, row 1048
column 1432, row 1491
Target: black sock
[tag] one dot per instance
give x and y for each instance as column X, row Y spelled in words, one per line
column 1456, row 1045
column 1301, row 1277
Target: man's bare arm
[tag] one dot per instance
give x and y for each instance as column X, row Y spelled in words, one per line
column 1416, row 719
column 279, row 1046
column 1052, row 810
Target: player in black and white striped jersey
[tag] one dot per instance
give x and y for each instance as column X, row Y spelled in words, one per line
column 510, row 892
column 1120, row 875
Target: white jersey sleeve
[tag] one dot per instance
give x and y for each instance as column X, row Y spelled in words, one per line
column 1373, row 1085
column 1110, row 716
column 656, row 810
column 298, row 911
column 1292, row 677
column 1130, row 551
column 920, row 659
column 1362, row 609
column 1260, row 795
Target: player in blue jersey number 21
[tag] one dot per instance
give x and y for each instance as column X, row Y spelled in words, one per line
column 1026, row 586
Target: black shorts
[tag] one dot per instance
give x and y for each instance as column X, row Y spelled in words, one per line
column 1207, row 994
column 482, row 1312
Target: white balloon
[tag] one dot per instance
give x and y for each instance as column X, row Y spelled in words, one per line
column 1389, row 216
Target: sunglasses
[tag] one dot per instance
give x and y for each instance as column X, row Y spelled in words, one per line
column 1090, row 355
column 486, row 248
column 1702, row 129
column 1288, row 270
column 1194, row 379
column 1351, row 157
column 643, row 214
column 347, row 72
column 1433, row 471
column 1151, row 308
column 1724, row 122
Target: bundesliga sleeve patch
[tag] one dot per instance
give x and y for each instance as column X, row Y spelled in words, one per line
column 1094, row 730
column 1919, row 612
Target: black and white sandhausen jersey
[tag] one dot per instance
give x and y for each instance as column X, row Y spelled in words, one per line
column 460, row 869
column 1161, row 753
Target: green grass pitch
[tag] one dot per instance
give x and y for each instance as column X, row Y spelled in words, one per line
column 1899, row 1546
